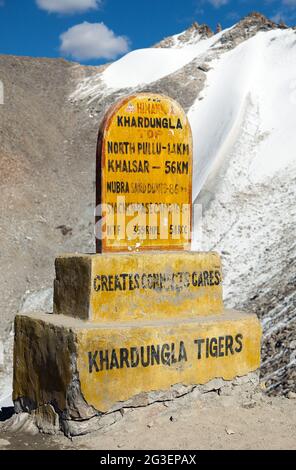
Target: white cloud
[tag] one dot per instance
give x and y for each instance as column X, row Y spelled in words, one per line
column 218, row 3
column 88, row 41
column 68, row 6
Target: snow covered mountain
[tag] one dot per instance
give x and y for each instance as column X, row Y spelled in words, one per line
column 239, row 88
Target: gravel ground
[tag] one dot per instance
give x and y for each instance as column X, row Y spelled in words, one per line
column 216, row 424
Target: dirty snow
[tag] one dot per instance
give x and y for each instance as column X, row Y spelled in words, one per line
column 143, row 66
column 148, row 65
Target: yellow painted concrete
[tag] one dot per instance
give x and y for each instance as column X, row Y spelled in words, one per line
column 53, row 351
column 160, row 286
column 104, row 387
column 146, row 286
column 165, row 150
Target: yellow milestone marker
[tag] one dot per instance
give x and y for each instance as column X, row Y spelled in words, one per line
column 129, row 324
column 144, row 175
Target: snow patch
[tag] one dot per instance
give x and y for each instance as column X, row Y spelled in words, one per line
column 258, row 70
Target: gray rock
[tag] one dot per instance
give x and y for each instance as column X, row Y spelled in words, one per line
column 41, row 301
column 47, row 420
column 4, row 443
column 215, row 384
column 293, row 356
column 204, row 67
column 78, row 428
column 20, row 423
column 253, row 377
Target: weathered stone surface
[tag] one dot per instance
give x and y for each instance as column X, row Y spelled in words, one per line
column 20, row 423
column 110, row 287
column 78, row 428
column 46, row 419
column 72, row 286
column 4, row 443
column 147, row 398
column 84, row 370
column 253, row 377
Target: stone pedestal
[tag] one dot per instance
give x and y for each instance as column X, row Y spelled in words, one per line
column 128, row 326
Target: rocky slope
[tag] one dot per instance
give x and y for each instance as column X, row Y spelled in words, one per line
column 48, row 131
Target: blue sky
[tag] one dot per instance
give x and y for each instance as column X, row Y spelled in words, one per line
column 96, row 31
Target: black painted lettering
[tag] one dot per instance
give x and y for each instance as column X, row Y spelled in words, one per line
column 135, row 359
column 199, row 343
column 173, row 357
column 182, row 352
column 221, row 344
column 104, row 283
column 111, row 166
column 211, row 278
column 200, row 282
column 229, row 345
column 239, row 341
column 214, row 347
column 117, row 283
column 136, row 281
column 92, row 362
column 205, row 278
column 165, row 354
column 207, row 347
column 127, row 121
column 155, row 355
column 217, row 278
column 145, row 363
column 114, row 361
column 97, row 285
column 124, row 358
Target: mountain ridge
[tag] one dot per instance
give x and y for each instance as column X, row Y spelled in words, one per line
column 250, row 24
